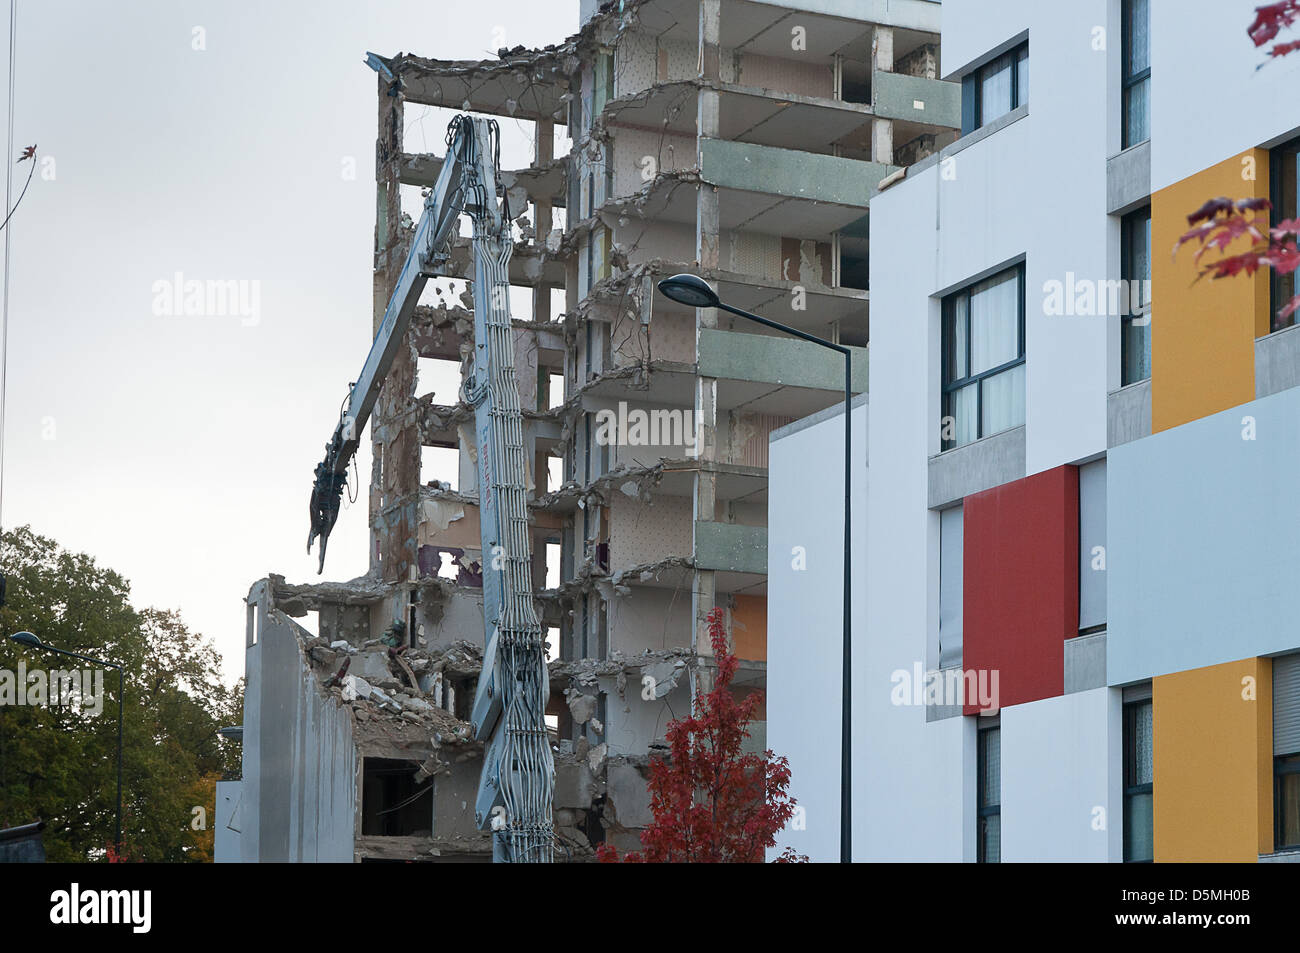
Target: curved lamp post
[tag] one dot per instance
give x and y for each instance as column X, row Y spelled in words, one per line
column 695, row 292
column 31, row 641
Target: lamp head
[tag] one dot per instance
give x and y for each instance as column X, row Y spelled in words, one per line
column 691, row 290
column 26, row 638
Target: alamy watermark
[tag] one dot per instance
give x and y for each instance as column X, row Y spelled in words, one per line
column 57, row 688
column 948, row 687
column 208, row 298
column 1088, row 297
column 648, row 428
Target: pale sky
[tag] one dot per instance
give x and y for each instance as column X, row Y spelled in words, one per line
column 179, row 449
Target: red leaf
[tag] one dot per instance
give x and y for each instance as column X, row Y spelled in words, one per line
column 1271, row 19
column 1210, row 209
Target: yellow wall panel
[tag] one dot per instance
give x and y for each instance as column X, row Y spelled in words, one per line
column 1213, row 737
column 1203, row 334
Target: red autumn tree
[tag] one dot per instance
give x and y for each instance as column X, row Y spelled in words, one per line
column 1221, row 222
column 713, row 803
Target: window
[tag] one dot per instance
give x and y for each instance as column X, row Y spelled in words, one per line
column 1285, row 186
column 1135, row 322
column 996, row 88
column 1286, row 752
column 1092, row 547
column 950, row 587
column 984, row 358
column 989, row 831
column 1287, row 773
column 1137, row 71
column 1139, row 844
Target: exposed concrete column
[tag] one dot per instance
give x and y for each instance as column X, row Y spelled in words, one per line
column 395, row 436
column 882, row 130
column 710, row 40
column 882, row 48
column 545, row 153
column 703, row 589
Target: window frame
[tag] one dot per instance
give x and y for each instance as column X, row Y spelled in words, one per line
column 1017, row 53
column 983, row 811
column 947, row 387
column 1129, row 81
column 1126, row 275
column 1278, row 214
column 1283, row 765
column 1129, row 754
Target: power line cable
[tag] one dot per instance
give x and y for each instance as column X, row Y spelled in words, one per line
column 4, row 324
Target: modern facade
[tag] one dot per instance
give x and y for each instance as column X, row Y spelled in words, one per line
column 1076, row 638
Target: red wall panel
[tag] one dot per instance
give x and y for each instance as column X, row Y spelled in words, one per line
column 1021, row 579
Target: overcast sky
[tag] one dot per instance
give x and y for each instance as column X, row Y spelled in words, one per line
column 211, row 139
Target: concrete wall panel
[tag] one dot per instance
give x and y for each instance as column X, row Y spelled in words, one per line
column 1062, row 795
column 1213, row 747
column 1021, row 584
column 1203, row 554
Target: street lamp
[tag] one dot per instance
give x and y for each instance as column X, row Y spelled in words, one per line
column 31, row 641
column 695, row 292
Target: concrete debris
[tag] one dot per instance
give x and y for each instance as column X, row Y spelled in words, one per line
column 581, row 706
column 355, row 687
column 322, row 655
column 664, row 676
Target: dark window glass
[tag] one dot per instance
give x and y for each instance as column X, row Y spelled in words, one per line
column 1139, row 777
column 1284, row 187
column 1135, row 297
column 989, row 834
column 984, row 358
column 1287, row 808
column 1137, row 72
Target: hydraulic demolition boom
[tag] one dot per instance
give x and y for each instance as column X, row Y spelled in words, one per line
column 516, row 787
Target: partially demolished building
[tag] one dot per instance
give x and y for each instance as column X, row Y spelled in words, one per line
column 735, row 139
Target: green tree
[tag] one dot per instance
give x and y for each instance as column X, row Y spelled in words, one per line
column 59, row 763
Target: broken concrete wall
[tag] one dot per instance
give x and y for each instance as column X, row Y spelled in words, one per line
column 922, row 61
column 459, row 618
column 751, row 253
column 349, row 623
column 646, row 239
column 633, row 722
column 636, row 62
column 649, row 618
column 300, row 767
column 672, row 338
column 646, row 432
column 745, row 437
column 639, row 154
column 648, row 533
column 786, row 75
column 526, row 367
